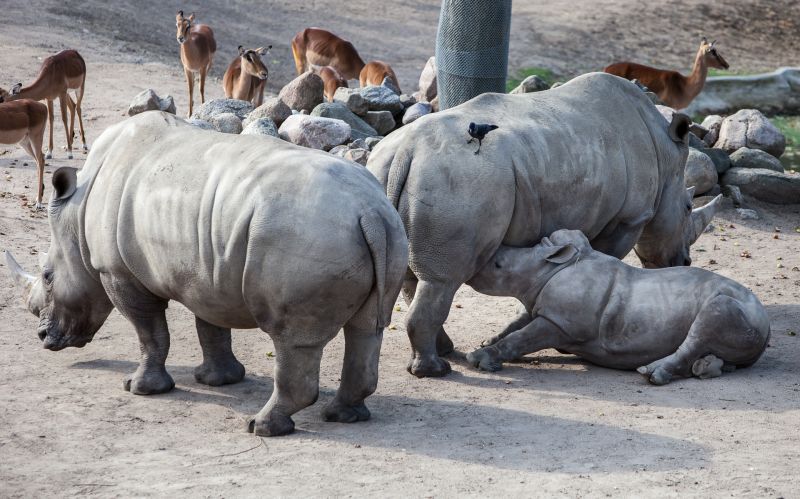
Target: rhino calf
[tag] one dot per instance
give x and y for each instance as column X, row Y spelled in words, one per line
column 666, row 322
column 246, row 232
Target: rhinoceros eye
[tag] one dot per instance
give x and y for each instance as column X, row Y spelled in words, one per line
column 47, row 275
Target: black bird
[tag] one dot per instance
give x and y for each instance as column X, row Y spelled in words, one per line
column 479, row 131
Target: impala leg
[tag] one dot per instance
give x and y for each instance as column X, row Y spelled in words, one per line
column 63, row 103
column 35, row 150
column 203, row 73
column 49, row 154
column 71, row 106
column 190, row 84
column 78, row 101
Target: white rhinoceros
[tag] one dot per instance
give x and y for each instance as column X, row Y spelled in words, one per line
column 593, row 155
column 665, row 322
column 246, row 232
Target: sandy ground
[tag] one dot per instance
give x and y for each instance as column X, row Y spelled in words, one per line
column 549, row 426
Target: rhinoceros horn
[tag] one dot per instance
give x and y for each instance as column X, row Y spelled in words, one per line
column 21, row 277
column 702, row 216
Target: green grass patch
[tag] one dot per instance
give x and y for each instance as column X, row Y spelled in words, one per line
column 790, row 127
column 514, row 80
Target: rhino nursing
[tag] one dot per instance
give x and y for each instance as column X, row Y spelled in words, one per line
column 592, row 155
column 246, row 232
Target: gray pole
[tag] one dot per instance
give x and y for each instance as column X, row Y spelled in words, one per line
column 471, row 49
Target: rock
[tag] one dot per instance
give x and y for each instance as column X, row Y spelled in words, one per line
column 352, row 98
column 226, row 123
column 699, row 172
column 720, row 158
column 766, row 185
column 772, row 93
column 427, row 82
column 360, row 156
column 261, row 126
column 407, row 100
column 715, row 191
column 733, row 192
column 747, row 214
column 531, row 84
column 712, row 124
column 336, row 110
column 382, row 121
column 314, row 131
column 273, row 108
column 220, row 106
column 754, row 158
column 372, row 142
column 388, row 83
column 358, row 144
column 750, row 128
column 694, row 141
column 339, row 150
column 557, row 84
column 202, row 124
column 381, row 99
column 304, row 92
column 148, row 100
column 698, row 130
column 666, row 111
column 416, row 111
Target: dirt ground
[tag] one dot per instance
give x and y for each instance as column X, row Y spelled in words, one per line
column 549, row 426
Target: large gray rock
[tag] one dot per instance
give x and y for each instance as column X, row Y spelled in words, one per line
column 304, row 92
column 360, row 129
column 220, row 106
column 407, row 100
column 416, row 112
column 530, row 84
column 261, row 126
column 148, row 100
column 720, row 158
column 388, row 83
column 314, row 131
column 750, row 128
column 201, row 124
column 372, row 142
column 352, row 98
column 699, row 172
column 712, row 123
column 766, row 185
column 381, row 99
column 273, row 108
column 427, row 82
column 359, row 156
column 226, row 123
column 754, row 158
column 339, row 150
column 382, row 121
column 772, row 93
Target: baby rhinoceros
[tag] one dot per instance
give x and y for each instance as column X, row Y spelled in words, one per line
column 667, row 322
column 246, row 232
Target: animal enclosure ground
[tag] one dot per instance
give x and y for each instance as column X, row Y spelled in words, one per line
column 551, row 425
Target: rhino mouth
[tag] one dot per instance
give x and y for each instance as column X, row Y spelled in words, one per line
column 55, row 340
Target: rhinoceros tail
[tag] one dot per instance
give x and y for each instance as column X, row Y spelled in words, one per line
column 374, row 231
column 398, row 173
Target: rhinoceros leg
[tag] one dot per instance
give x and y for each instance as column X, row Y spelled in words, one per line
column 720, row 337
column 537, row 335
column 219, row 366
column 428, row 311
column 522, row 319
column 362, row 350
column 444, row 345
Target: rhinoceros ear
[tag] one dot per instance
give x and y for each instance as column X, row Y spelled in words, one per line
column 65, row 181
column 679, row 128
column 561, row 254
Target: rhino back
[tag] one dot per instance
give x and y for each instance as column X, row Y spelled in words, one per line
column 229, row 225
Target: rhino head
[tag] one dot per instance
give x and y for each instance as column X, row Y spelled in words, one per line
column 666, row 239
column 67, row 297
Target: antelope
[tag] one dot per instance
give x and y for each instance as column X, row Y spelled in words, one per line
column 58, row 74
column 22, row 122
column 375, row 72
column 197, row 52
column 246, row 76
column 332, row 80
column 318, row 47
column 674, row 89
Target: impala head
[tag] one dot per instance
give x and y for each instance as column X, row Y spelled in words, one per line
column 712, row 55
column 252, row 63
column 5, row 95
column 183, row 24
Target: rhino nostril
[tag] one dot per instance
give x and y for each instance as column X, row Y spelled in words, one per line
column 42, row 333
column 687, row 261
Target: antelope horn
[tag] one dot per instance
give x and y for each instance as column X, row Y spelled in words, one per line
column 21, row 277
column 702, row 216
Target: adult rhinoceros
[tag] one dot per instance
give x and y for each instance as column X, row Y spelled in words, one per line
column 593, row 155
column 246, row 232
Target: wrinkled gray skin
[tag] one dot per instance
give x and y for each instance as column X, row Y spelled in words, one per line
column 246, row 232
column 593, row 155
column 665, row 322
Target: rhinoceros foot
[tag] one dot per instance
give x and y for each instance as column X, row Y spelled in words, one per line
column 429, row 366
column 485, row 359
column 149, row 382
column 709, row 366
column 274, row 425
column 655, row 373
column 216, row 374
column 444, row 345
column 338, row 412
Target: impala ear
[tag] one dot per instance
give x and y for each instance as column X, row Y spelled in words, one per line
column 16, row 88
column 180, row 14
column 679, row 128
column 65, row 181
column 191, row 18
column 241, row 51
column 704, row 41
